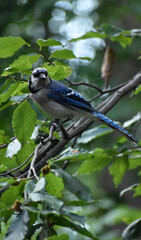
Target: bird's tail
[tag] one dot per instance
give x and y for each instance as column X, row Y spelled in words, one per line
column 113, row 125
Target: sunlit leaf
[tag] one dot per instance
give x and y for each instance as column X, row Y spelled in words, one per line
column 109, row 31
column 135, row 159
column 118, row 168
column 55, row 185
column 95, row 161
column 9, row 45
column 59, row 237
column 58, row 70
column 24, row 120
column 137, row 190
column 13, row 193
column 137, row 90
column 90, row 34
column 24, row 62
column 48, row 42
column 63, row 54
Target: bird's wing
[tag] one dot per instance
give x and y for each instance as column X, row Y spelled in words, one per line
column 69, row 97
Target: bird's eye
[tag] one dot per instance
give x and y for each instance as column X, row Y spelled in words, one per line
column 35, row 75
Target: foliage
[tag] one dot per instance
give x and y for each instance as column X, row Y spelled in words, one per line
column 57, row 203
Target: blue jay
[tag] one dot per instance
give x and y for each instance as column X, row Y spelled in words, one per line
column 60, row 101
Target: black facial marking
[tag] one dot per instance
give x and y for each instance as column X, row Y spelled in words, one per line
column 36, row 73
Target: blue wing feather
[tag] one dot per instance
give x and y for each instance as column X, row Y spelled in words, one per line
column 68, row 97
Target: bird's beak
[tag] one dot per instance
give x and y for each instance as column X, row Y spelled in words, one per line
column 42, row 76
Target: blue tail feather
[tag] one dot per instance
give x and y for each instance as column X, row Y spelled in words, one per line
column 114, row 125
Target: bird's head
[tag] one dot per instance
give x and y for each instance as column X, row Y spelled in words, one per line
column 38, row 79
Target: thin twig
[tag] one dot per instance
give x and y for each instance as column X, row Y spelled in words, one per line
column 6, row 144
column 17, row 168
column 14, row 78
column 86, row 84
column 31, row 169
column 23, row 100
column 42, row 53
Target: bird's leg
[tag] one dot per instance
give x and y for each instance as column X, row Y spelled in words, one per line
column 66, row 120
column 59, row 125
column 55, row 123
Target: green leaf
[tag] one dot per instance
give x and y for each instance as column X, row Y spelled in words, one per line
column 117, row 34
column 42, row 196
column 10, row 92
column 40, row 185
column 93, row 133
column 90, row 34
column 55, row 185
column 52, row 201
column 3, row 138
column 94, row 161
column 48, row 42
column 20, row 97
column 74, row 185
column 13, row 193
column 9, row 163
column 18, row 227
column 6, row 85
column 137, row 190
column 61, row 221
column 123, row 40
column 23, row 63
column 59, row 237
column 109, row 31
column 137, row 90
column 29, row 187
column 25, row 152
column 5, row 105
column 118, row 168
column 23, row 121
column 63, row 54
column 9, row 45
column 58, row 71
column 135, row 158
column 74, row 217
column 79, row 203
column 39, row 211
